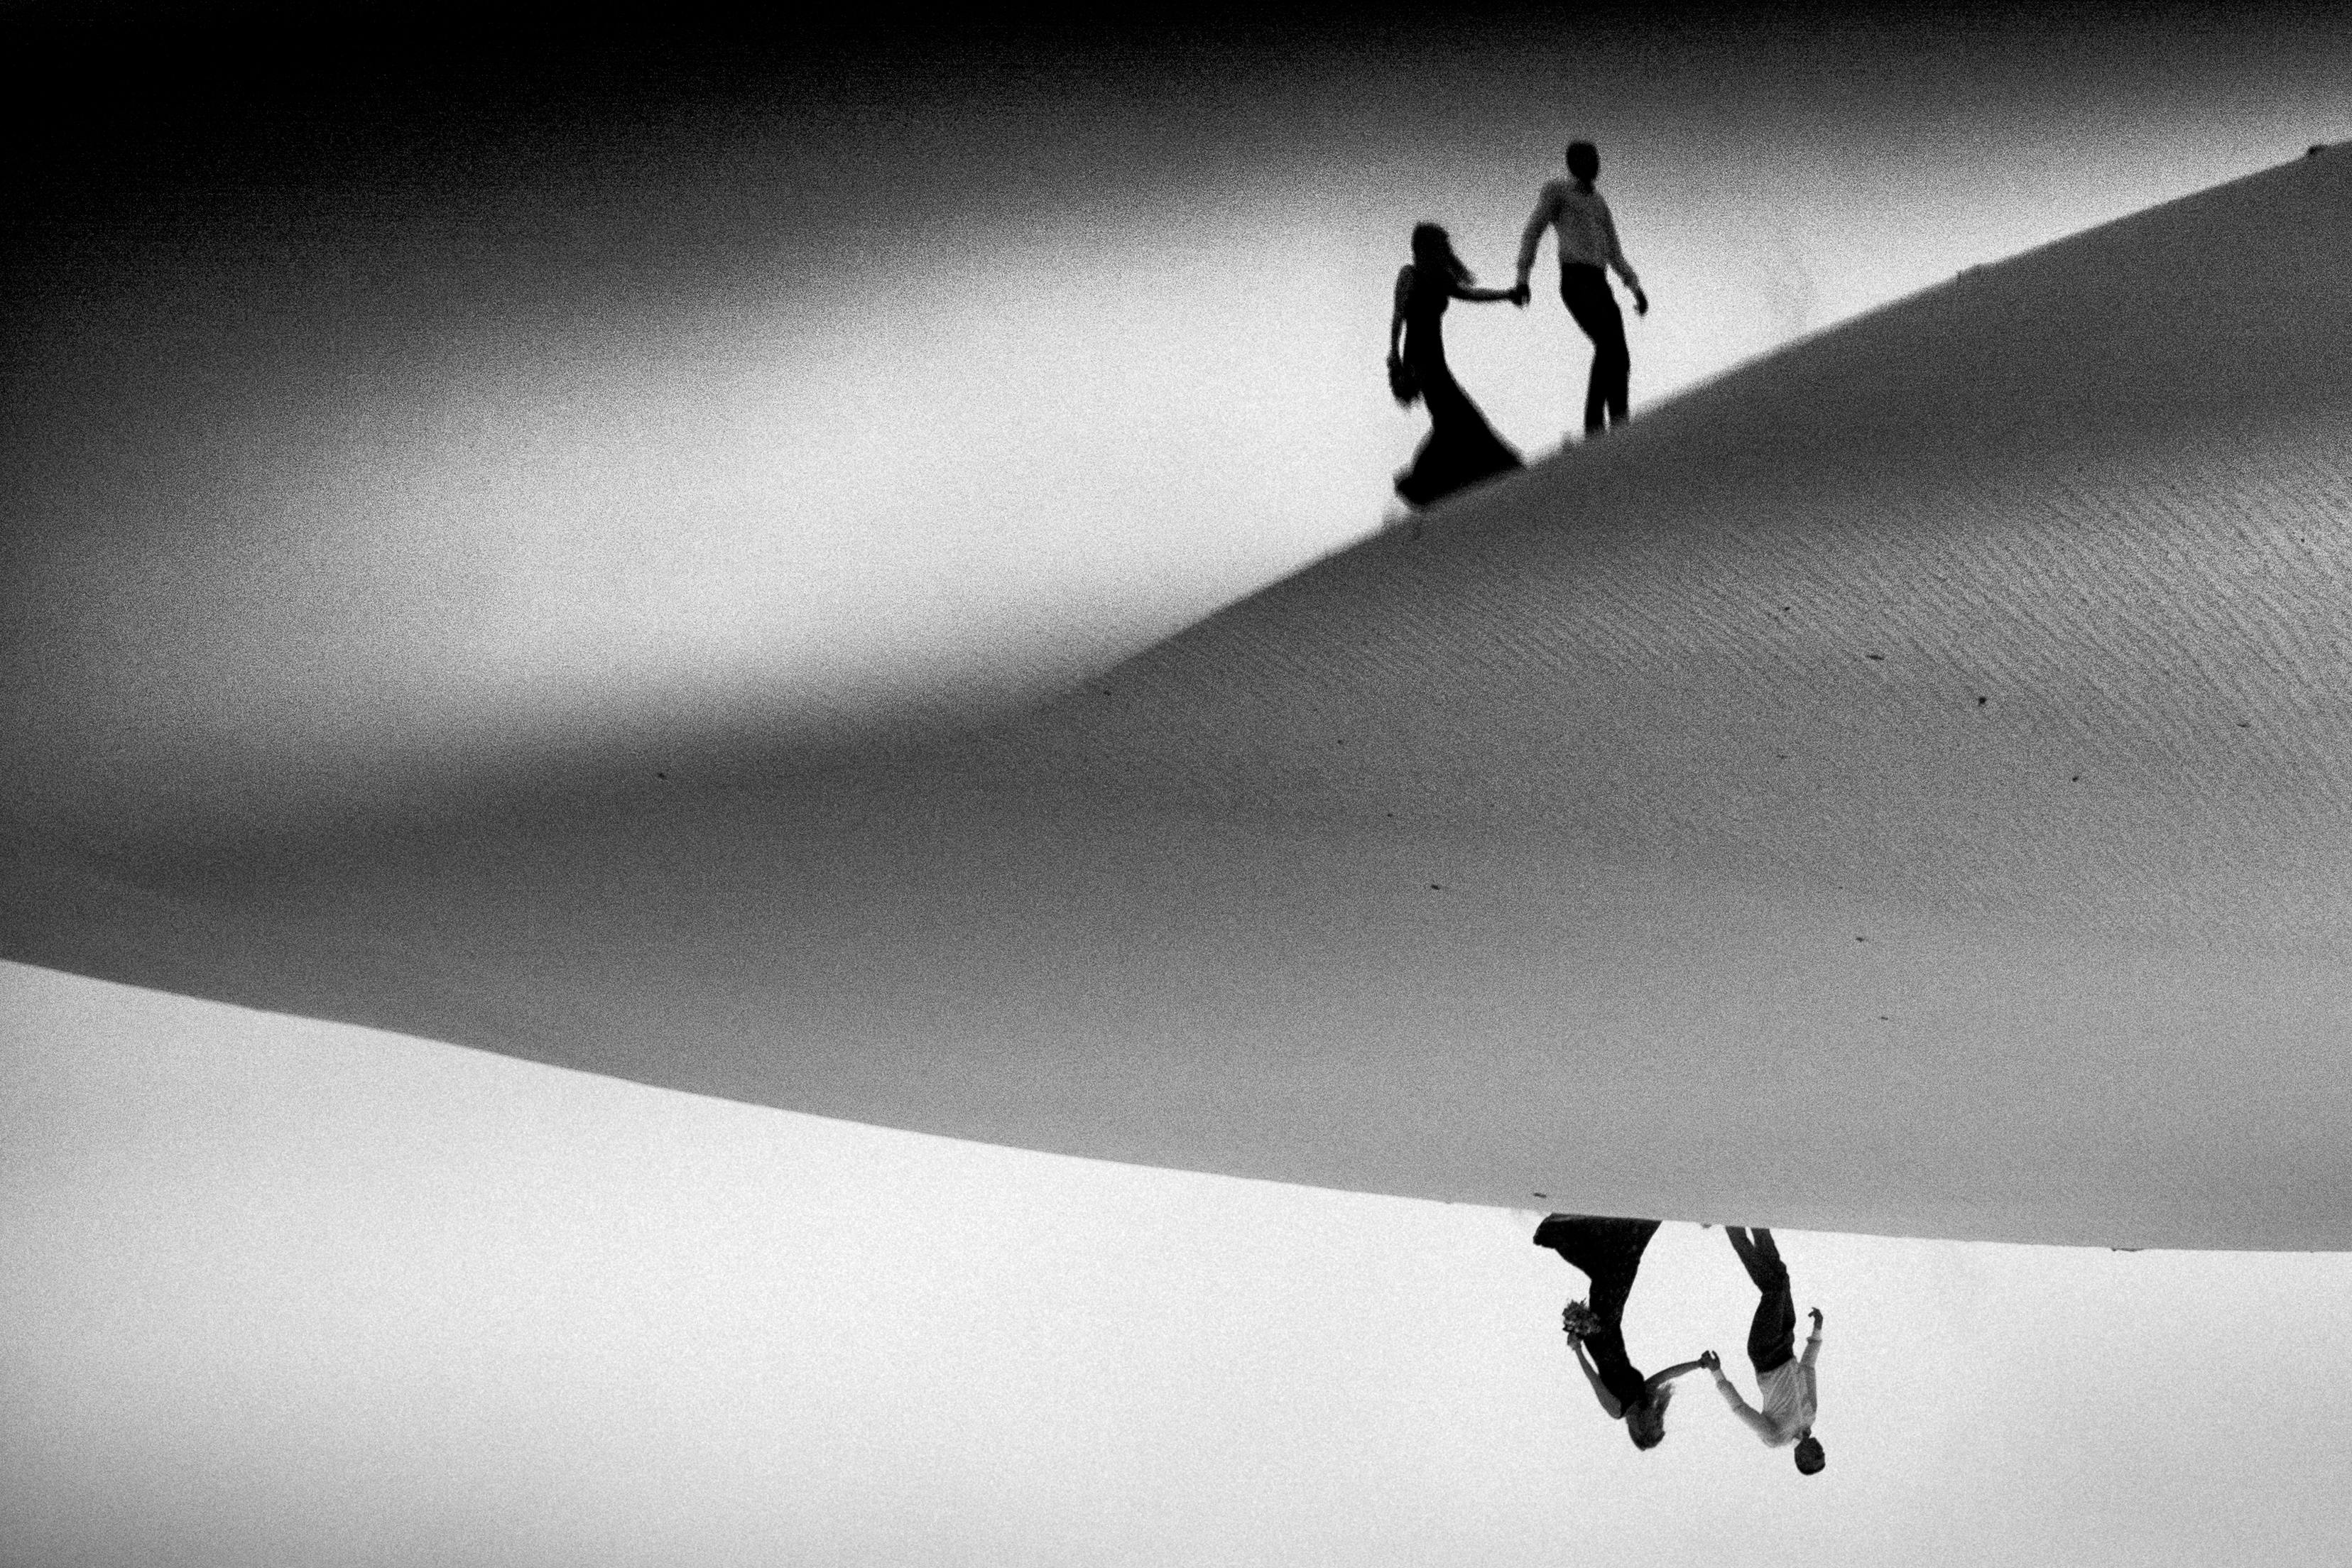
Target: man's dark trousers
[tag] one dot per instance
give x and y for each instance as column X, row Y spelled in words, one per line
column 1772, row 1335
column 1584, row 290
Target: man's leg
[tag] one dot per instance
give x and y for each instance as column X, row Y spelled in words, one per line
column 1585, row 291
column 1751, row 1257
column 1612, row 370
column 1772, row 1333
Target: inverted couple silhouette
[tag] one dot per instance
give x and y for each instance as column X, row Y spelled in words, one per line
column 1609, row 1251
column 1462, row 449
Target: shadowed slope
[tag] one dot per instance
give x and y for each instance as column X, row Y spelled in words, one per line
column 1898, row 787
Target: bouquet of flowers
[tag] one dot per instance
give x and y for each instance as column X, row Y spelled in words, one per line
column 1578, row 1320
column 1403, row 385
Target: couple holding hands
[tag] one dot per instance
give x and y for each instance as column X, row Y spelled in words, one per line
column 1609, row 1251
column 1462, row 448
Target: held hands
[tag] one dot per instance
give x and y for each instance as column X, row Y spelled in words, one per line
column 1709, row 1359
column 1641, row 303
column 1817, row 1319
column 1519, row 294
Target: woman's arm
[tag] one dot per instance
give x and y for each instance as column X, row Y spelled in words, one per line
column 1658, row 1379
column 1609, row 1403
column 1396, row 315
column 1484, row 296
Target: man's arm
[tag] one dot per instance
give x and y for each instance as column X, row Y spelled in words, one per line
column 1740, row 1407
column 1546, row 210
column 1814, row 1341
column 1617, row 252
column 1617, row 259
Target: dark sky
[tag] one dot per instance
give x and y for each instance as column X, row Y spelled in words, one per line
column 149, row 98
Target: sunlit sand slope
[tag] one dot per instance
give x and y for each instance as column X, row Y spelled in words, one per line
column 1899, row 787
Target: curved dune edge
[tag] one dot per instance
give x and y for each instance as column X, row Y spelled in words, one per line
column 1897, row 788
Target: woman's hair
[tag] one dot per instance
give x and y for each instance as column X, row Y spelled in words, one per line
column 1645, row 1419
column 1432, row 248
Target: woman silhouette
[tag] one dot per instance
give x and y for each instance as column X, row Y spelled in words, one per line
column 1462, row 448
column 1610, row 1253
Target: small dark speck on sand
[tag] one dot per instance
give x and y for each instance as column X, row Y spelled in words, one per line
column 1862, row 939
column 2245, row 723
column 1434, row 888
column 1876, row 656
column 1546, row 1197
column 2076, row 779
column 1982, row 700
column 661, row 775
column 1884, row 1019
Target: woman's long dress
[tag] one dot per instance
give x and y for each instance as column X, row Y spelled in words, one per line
column 1609, row 1252
column 1462, row 449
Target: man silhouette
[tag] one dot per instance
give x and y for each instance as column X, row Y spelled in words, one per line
column 1784, row 1385
column 1588, row 245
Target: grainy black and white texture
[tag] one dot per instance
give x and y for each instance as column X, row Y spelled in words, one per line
column 838, row 569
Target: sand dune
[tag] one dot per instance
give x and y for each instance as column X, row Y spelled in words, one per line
column 1898, row 787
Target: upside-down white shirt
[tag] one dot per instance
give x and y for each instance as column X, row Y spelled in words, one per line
column 1787, row 1394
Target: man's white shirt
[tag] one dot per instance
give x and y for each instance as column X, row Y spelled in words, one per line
column 1787, row 1394
column 1588, row 234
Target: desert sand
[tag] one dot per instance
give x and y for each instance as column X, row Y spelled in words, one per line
column 1898, row 787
